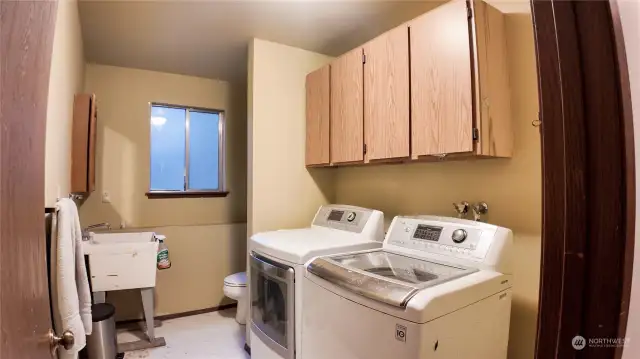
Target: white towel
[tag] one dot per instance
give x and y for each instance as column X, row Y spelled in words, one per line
column 73, row 296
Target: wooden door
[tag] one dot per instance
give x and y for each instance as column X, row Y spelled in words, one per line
column 26, row 38
column 347, row 112
column 441, row 85
column 318, row 108
column 386, row 95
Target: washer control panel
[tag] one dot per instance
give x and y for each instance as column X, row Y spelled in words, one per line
column 441, row 235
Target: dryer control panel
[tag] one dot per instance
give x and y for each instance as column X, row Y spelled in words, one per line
column 450, row 237
column 346, row 218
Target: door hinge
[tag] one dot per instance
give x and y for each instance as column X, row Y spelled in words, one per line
column 364, row 58
column 469, row 12
column 364, row 149
column 476, row 134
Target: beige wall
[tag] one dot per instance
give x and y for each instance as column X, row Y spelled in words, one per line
column 512, row 188
column 282, row 192
column 630, row 19
column 122, row 156
column 66, row 79
column 202, row 242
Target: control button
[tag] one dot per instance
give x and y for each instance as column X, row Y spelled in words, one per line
column 459, row 235
column 351, row 216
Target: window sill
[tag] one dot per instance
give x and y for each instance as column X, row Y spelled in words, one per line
column 185, row 194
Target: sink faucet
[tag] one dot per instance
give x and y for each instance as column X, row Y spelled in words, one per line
column 85, row 231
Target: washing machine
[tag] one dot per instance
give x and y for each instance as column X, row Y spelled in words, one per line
column 438, row 288
column 277, row 266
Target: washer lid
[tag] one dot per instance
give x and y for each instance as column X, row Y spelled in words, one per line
column 384, row 276
column 236, row 280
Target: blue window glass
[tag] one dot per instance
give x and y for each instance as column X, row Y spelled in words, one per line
column 203, row 150
column 168, row 131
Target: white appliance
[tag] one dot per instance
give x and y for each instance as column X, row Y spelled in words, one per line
column 438, row 288
column 277, row 262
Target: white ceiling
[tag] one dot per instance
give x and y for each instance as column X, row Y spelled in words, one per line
column 209, row 38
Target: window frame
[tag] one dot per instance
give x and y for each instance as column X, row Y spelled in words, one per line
column 187, row 192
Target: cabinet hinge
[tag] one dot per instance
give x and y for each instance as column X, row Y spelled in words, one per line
column 364, row 58
column 364, row 149
column 469, row 12
column 476, row 134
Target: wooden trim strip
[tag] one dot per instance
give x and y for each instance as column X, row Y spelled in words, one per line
column 185, row 194
column 128, row 322
column 630, row 164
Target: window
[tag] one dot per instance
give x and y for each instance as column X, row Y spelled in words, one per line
column 187, row 152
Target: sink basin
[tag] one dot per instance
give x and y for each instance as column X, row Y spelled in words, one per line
column 121, row 260
column 115, row 242
column 111, row 238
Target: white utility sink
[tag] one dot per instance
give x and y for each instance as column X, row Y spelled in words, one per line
column 121, row 260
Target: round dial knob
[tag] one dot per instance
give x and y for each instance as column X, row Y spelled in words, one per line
column 351, row 216
column 459, row 235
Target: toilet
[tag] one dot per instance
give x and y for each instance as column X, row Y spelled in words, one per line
column 235, row 287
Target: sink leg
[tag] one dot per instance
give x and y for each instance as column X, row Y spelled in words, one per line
column 99, row 297
column 147, row 305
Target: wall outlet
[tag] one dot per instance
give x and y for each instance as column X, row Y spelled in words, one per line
column 106, row 197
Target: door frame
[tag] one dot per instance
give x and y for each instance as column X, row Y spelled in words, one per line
column 588, row 168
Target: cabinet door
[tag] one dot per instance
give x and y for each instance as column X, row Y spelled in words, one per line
column 83, row 144
column 441, row 90
column 317, row 145
column 494, row 123
column 93, row 135
column 347, row 137
column 386, row 95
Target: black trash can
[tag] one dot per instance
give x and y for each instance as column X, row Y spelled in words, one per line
column 103, row 343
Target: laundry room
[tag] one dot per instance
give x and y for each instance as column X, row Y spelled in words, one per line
column 295, row 180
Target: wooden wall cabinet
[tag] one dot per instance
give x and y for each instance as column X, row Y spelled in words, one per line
column 347, row 111
column 318, row 117
column 459, row 82
column 434, row 88
column 83, row 144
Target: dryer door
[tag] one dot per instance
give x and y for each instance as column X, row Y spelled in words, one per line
column 273, row 304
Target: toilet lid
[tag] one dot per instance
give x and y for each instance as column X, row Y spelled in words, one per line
column 236, row 280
